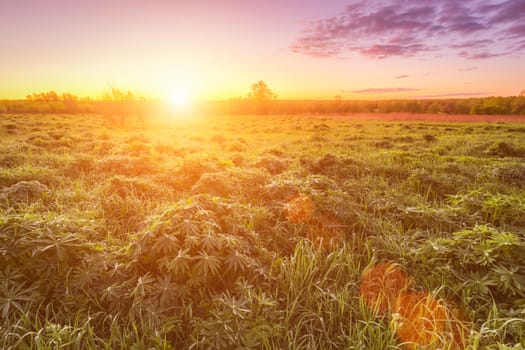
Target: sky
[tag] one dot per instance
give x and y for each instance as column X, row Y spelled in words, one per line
column 303, row 49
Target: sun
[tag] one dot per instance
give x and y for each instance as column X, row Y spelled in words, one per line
column 179, row 99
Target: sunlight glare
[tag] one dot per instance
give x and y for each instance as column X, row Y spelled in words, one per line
column 179, row 99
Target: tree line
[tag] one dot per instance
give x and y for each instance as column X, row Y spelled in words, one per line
column 260, row 100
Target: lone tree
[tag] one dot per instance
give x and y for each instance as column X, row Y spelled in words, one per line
column 261, row 95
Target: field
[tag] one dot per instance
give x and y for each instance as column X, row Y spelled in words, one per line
column 261, row 232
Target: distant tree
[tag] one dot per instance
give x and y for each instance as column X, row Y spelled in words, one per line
column 261, row 92
column 261, row 95
column 49, row 96
column 338, row 104
column 517, row 105
column 434, row 108
column 67, row 97
column 522, row 93
column 119, row 106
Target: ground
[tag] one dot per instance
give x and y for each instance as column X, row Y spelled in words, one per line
column 292, row 232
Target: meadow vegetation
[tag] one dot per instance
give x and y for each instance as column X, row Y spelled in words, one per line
column 251, row 232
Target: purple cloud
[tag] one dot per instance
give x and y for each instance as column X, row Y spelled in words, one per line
column 517, row 31
column 472, row 29
column 479, row 55
column 520, row 46
column 472, row 44
column 509, row 11
column 382, row 90
column 384, row 51
column 402, row 76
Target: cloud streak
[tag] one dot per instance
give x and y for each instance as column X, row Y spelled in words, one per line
column 382, row 90
column 454, row 94
column 469, row 69
column 472, row 29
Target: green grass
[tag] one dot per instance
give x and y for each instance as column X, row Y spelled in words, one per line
column 180, row 235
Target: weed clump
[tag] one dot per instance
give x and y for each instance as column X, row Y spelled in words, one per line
column 188, row 244
column 276, row 152
column 84, row 164
column 485, row 260
column 238, row 159
column 334, row 166
column 10, row 126
column 219, row 139
column 127, row 166
column 23, row 191
column 11, row 160
column 429, row 138
column 513, row 174
column 272, row 165
column 139, row 187
column 124, row 215
column 383, row 144
column 237, row 146
column 191, row 171
column 433, row 185
column 327, row 232
column 281, row 191
column 137, row 148
column 505, row 149
column 215, row 184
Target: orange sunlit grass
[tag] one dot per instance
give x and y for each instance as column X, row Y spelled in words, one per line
column 418, row 319
column 381, row 285
column 423, row 321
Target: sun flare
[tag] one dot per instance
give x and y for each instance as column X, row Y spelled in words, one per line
column 179, row 99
